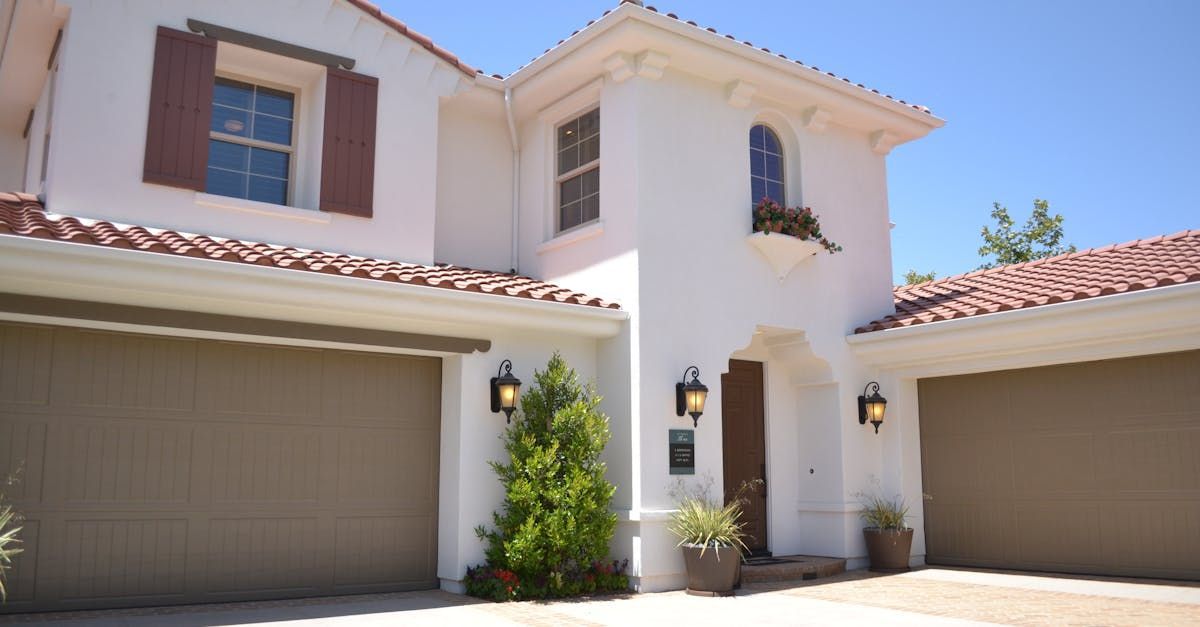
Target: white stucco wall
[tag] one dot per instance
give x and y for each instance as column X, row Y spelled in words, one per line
column 99, row 138
column 474, row 182
column 671, row 248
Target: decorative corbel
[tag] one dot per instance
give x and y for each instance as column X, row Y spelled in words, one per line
column 651, row 63
column 882, row 141
column 738, row 93
column 816, row 119
column 620, row 66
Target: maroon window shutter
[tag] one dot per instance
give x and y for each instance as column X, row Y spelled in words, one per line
column 181, row 91
column 348, row 150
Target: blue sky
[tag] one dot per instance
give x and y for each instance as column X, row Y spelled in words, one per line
column 1092, row 105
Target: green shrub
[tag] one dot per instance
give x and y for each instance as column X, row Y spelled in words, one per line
column 553, row 531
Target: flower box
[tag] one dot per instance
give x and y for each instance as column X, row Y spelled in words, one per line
column 783, row 252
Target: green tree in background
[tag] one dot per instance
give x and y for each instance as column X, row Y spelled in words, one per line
column 912, row 277
column 1041, row 237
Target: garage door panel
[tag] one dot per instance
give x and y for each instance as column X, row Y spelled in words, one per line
column 392, row 468
column 263, row 554
column 1154, row 535
column 967, row 465
column 959, row 530
column 206, row 490
column 1104, row 475
column 122, row 558
column 1053, row 463
column 22, row 456
column 266, row 464
column 1068, row 533
column 267, row 383
column 25, row 357
column 119, row 462
column 967, row 405
column 1058, row 393
column 94, row 370
column 373, row 550
column 1155, row 460
column 368, row 390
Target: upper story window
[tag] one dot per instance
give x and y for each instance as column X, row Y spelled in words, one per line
column 578, row 171
column 766, row 165
column 251, row 142
column 243, row 138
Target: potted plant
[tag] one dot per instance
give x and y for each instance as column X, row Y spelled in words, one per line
column 889, row 539
column 711, row 539
column 798, row 222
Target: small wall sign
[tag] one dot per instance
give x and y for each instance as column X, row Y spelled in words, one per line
column 682, row 451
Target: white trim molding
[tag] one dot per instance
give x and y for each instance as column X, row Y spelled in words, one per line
column 112, row 275
column 1158, row 320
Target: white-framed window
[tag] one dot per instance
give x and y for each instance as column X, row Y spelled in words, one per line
column 766, row 165
column 577, row 171
column 252, row 139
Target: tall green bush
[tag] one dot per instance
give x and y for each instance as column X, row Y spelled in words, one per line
column 555, row 525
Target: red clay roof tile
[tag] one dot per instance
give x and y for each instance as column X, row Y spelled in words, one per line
column 24, row 216
column 1114, row 269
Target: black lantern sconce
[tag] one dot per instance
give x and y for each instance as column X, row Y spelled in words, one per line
column 506, row 391
column 871, row 407
column 690, row 396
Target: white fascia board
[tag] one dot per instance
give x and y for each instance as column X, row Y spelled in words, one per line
column 715, row 41
column 1157, row 320
column 97, row 273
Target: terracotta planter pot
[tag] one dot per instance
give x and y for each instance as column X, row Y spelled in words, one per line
column 888, row 548
column 713, row 574
column 776, row 227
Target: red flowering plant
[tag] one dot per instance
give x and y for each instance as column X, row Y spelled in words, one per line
column 798, row 222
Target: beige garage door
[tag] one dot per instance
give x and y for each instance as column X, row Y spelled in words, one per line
column 1083, row 468
column 162, row 470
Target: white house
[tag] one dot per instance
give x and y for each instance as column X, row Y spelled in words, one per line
column 206, row 408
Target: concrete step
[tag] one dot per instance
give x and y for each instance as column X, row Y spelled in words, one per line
column 790, row 568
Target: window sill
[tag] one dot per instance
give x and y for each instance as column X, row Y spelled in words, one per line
column 262, row 208
column 568, row 237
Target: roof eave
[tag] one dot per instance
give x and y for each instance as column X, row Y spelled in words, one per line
column 788, row 67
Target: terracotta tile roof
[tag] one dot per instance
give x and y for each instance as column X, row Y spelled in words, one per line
column 713, row 31
column 22, row 215
column 1113, row 269
column 402, row 28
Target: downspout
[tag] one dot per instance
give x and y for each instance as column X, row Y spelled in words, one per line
column 514, row 258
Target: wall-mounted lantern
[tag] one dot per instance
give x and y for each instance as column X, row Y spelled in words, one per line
column 690, row 395
column 506, row 391
column 871, row 407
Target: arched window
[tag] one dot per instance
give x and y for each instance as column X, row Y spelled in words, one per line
column 766, row 165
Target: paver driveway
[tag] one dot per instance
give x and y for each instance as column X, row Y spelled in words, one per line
column 931, row 596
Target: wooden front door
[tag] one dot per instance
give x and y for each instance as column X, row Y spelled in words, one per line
column 744, row 445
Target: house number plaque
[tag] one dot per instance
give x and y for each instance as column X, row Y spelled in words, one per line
column 682, row 451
